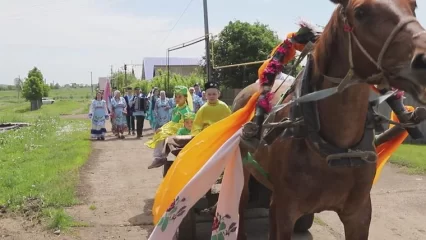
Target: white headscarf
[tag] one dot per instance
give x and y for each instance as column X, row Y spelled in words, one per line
column 116, row 92
column 162, row 92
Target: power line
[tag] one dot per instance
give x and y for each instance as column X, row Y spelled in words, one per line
column 171, row 30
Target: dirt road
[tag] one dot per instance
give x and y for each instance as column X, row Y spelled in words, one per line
column 117, row 192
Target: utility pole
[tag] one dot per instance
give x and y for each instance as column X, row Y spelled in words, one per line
column 91, row 82
column 207, row 40
column 110, row 79
column 125, row 74
column 19, row 87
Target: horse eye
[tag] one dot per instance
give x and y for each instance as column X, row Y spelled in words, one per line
column 360, row 13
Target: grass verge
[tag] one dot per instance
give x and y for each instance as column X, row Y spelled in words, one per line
column 39, row 167
column 411, row 156
column 20, row 112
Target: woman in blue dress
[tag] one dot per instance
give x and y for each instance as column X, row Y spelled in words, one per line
column 152, row 98
column 119, row 106
column 98, row 113
column 162, row 110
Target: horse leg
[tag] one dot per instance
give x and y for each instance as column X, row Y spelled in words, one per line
column 357, row 222
column 273, row 228
column 243, row 205
column 285, row 217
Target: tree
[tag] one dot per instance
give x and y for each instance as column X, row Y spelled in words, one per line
column 241, row 42
column 119, row 80
column 46, row 90
column 35, row 72
column 33, row 88
column 160, row 81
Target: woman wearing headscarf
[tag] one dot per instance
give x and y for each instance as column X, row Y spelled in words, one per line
column 183, row 101
column 98, row 113
column 152, row 98
column 162, row 110
column 119, row 106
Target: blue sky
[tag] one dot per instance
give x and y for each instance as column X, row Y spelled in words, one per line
column 67, row 39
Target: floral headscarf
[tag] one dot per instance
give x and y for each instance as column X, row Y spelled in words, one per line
column 181, row 90
column 189, row 116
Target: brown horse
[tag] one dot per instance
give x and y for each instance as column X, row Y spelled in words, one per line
column 302, row 181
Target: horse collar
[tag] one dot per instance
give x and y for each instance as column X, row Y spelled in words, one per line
column 362, row 153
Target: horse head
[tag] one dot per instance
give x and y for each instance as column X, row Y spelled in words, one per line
column 387, row 45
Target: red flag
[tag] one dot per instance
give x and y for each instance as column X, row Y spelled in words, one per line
column 107, row 94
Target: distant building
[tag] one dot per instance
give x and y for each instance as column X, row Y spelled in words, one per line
column 177, row 65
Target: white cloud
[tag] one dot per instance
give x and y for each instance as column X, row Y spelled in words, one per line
column 68, row 39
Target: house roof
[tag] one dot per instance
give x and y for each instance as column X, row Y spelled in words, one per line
column 150, row 62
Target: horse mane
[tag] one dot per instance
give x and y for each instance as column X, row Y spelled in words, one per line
column 327, row 43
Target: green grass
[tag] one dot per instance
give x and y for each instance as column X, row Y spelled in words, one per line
column 411, row 156
column 57, row 94
column 20, row 112
column 68, row 101
column 42, row 162
column 39, row 165
column 59, row 219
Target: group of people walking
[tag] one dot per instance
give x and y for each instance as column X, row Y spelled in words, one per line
column 123, row 112
column 128, row 113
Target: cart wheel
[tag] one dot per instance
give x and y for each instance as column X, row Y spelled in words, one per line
column 166, row 167
column 187, row 229
column 304, row 223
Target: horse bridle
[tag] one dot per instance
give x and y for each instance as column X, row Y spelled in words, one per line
column 349, row 80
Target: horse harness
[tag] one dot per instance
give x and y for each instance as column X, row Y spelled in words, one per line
column 304, row 122
column 307, row 112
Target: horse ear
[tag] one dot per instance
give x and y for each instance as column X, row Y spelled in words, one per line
column 342, row 2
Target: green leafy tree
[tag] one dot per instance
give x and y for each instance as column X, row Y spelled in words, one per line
column 241, row 42
column 46, row 90
column 35, row 72
column 120, row 81
column 33, row 88
column 161, row 81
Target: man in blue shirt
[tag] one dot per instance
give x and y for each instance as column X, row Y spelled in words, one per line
column 129, row 117
column 140, row 107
